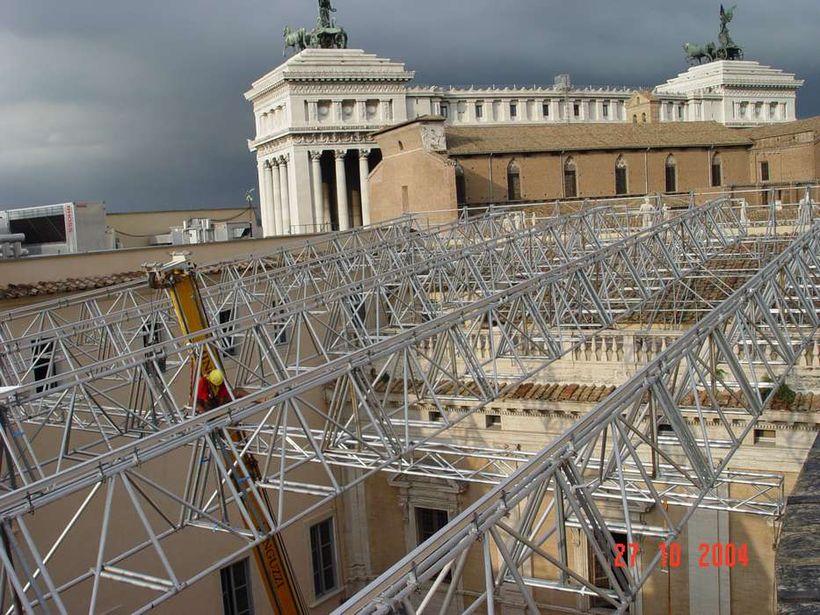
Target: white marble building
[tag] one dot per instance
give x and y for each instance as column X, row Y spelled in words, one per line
column 315, row 114
column 732, row 92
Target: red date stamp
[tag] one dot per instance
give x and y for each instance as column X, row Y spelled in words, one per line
column 714, row 555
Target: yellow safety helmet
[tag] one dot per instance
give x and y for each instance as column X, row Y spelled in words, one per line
column 215, row 377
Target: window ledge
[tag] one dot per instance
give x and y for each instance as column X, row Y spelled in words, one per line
column 325, row 597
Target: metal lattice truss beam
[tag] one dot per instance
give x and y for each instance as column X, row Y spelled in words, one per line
column 733, row 361
column 103, row 389
column 108, row 455
column 298, row 272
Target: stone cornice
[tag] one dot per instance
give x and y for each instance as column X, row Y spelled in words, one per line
column 350, row 137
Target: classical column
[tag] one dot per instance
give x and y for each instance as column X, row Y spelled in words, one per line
column 285, row 207
column 361, row 110
column 337, row 111
column 268, row 207
column 313, row 111
column 364, row 186
column 275, row 196
column 326, row 217
column 341, row 190
column 316, row 177
column 263, row 198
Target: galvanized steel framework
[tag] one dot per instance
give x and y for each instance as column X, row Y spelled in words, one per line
column 738, row 356
column 381, row 322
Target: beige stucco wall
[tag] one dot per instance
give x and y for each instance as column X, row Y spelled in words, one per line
column 411, row 179
column 791, row 158
column 542, row 174
column 33, row 269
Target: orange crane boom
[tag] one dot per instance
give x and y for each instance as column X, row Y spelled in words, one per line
column 179, row 279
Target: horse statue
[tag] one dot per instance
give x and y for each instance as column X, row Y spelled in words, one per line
column 296, row 39
column 341, row 39
column 697, row 54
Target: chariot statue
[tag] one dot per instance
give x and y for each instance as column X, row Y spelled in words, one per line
column 326, row 34
column 725, row 49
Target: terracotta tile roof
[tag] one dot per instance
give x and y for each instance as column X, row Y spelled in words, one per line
column 68, row 285
column 595, row 393
column 786, row 128
column 466, row 140
column 71, row 285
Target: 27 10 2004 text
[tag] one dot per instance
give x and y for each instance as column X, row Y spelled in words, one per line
column 710, row 554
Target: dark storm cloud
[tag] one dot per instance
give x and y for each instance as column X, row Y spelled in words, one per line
column 140, row 103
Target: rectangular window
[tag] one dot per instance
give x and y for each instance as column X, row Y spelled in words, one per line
column 42, row 355
column 545, row 108
column 492, row 421
column 598, row 574
column 435, row 417
column 236, row 589
column 605, row 109
column 717, row 180
column 444, row 111
column 428, row 522
column 576, row 109
column 323, row 557
column 671, row 178
column 765, row 437
column 479, row 111
column 620, row 180
column 764, row 171
column 41, row 229
column 513, row 110
column 570, row 184
column 151, row 336
column 226, row 339
column 358, row 309
column 680, row 112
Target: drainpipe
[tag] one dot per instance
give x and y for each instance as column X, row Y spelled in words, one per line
column 491, row 177
column 646, row 170
column 561, row 174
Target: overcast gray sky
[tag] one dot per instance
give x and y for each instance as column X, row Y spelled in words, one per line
column 140, row 103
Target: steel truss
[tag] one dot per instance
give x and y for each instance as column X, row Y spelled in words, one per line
column 121, row 420
column 735, row 358
column 293, row 272
column 139, row 392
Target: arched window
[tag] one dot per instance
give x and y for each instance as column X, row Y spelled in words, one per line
column 717, row 174
column 513, row 181
column 671, row 174
column 570, row 179
column 634, row 118
column 643, row 118
column 621, row 186
column 461, row 185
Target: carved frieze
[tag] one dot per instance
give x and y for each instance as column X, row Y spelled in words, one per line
column 323, row 138
column 347, row 88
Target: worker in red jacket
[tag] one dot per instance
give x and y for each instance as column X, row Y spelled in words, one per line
column 211, row 391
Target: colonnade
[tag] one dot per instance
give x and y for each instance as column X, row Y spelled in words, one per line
column 280, row 209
